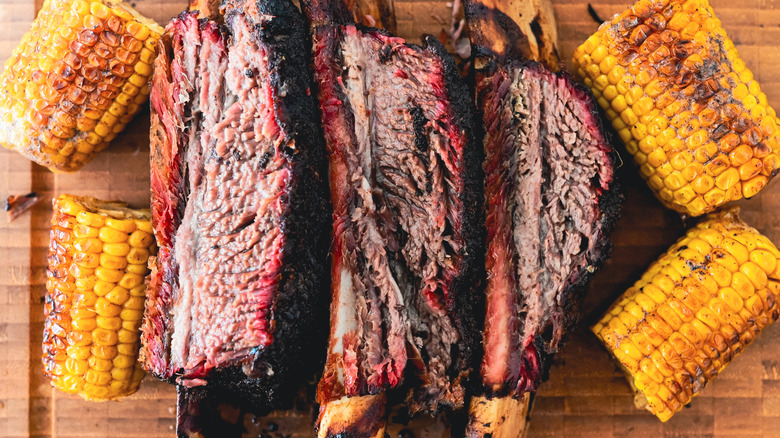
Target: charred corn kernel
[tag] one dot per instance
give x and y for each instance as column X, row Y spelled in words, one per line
column 685, row 75
column 67, row 71
column 712, row 292
column 96, row 298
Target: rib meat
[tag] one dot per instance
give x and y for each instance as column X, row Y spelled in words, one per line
column 239, row 202
column 551, row 203
column 405, row 188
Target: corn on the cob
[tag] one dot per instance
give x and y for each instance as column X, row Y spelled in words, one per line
column 693, row 310
column 75, row 80
column 683, row 102
column 95, row 297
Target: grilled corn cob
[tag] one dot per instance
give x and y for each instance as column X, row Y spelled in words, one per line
column 95, row 297
column 683, row 102
column 75, row 80
column 693, row 310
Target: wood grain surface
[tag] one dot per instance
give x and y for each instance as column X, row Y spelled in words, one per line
column 585, row 396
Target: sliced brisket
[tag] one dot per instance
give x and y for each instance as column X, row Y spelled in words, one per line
column 551, row 203
column 239, row 202
column 405, row 188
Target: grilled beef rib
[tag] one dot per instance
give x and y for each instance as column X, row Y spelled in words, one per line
column 405, row 184
column 551, row 203
column 239, row 202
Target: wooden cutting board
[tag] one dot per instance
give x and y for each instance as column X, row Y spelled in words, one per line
column 585, row 396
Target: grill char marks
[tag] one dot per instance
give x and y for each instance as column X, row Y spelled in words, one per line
column 551, row 202
column 239, row 202
column 405, row 242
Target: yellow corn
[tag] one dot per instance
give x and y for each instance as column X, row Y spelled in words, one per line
column 92, row 330
column 707, row 316
column 66, row 90
column 685, row 104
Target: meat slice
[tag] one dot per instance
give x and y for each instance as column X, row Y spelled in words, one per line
column 405, row 187
column 239, row 203
column 551, row 203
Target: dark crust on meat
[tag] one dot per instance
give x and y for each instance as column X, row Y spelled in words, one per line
column 299, row 320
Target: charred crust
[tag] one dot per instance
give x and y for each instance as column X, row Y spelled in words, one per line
column 300, row 323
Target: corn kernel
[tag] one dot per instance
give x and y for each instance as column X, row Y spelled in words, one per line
column 109, row 275
column 118, row 296
column 106, row 308
column 101, row 336
column 116, row 249
column 124, row 361
column 111, row 235
column 109, row 261
column 109, row 323
column 136, row 269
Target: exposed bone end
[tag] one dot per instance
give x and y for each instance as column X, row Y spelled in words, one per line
column 206, row 8
column 362, row 416
column 498, row 417
column 374, row 13
column 511, row 28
